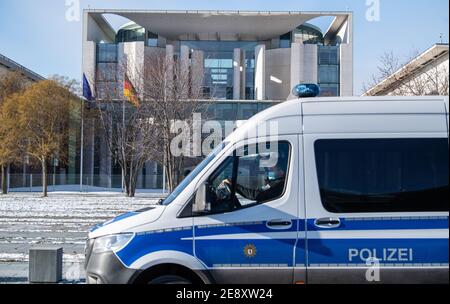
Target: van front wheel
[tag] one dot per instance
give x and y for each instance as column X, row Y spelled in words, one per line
column 169, row 279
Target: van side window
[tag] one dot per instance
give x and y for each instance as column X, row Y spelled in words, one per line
column 383, row 175
column 250, row 177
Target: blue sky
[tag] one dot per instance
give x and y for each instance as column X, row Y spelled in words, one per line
column 36, row 34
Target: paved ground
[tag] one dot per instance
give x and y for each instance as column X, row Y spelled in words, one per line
column 62, row 219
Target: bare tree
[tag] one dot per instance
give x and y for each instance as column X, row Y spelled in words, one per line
column 408, row 78
column 70, row 84
column 139, row 128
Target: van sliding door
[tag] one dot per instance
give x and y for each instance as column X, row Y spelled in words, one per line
column 377, row 208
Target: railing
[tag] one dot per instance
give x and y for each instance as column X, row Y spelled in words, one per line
column 71, row 182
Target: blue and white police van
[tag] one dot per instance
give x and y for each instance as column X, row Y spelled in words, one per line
column 358, row 194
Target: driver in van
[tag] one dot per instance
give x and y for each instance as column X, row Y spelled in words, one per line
column 273, row 185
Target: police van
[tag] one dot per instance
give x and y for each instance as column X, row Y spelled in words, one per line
column 358, row 194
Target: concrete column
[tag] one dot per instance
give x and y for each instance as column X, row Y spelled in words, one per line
column 198, row 70
column 243, row 74
column 346, row 70
column 296, row 76
column 169, row 60
column 184, row 60
column 237, row 74
column 89, row 62
column 132, row 56
column 310, row 63
column 260, row 73
column 304, row 64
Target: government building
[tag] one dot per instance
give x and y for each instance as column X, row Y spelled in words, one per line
column 249, row 61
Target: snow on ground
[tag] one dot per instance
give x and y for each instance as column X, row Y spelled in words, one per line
column 62, row 219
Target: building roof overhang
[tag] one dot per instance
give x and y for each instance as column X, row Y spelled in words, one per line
column 14, row 66
column 222, row 25
column 426, row 58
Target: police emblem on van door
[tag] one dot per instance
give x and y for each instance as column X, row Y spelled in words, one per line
column 250, row 251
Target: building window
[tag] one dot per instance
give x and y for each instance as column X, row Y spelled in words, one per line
column 246, row 110
column 130, row 33
column 218, row 65
column 285, row 41
column 328, row 74
column 106, row 78
column 152, row 40
column 383, row 175
column 106, row 71
column 308, row 34
column 107, row 52
column 328, row 55
column 329, row 70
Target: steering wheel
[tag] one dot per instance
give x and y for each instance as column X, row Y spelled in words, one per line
column 223, row 191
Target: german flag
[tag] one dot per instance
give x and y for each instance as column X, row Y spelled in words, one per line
column 129, row 92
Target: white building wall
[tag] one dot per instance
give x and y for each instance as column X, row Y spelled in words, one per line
column 131, row 58
column 278, row 74
column 260, row 74
column 89, row 62
column 346, row 70
column 243, row 74
column 304, row 63
column 310, row 63
column 92, row 31
column 198, row 69
column 237, row 64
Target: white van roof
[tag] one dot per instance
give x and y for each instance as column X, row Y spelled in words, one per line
column 375, row 105
column 388, row 114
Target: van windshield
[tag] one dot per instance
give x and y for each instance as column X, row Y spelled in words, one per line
column 194, row 174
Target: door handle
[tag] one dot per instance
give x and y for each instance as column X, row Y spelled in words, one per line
column 328, row 222
column 279, row 224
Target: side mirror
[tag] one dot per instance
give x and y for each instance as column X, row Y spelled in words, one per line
column 201, row 204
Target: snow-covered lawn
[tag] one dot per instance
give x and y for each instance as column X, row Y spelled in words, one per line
column 62, row 219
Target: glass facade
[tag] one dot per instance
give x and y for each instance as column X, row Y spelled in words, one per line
column 285, row 41
column 306, row 33
column 152, row 39
column 233, row 111
column 130, row 33
column 219, row 70
column 309, row 34
column 106, row 78
column 329, row 70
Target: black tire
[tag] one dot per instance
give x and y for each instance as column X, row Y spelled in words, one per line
column 169, row 279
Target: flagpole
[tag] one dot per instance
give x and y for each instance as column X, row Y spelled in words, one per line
column 123, row 133
column 82, row 145
column 87, row 96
